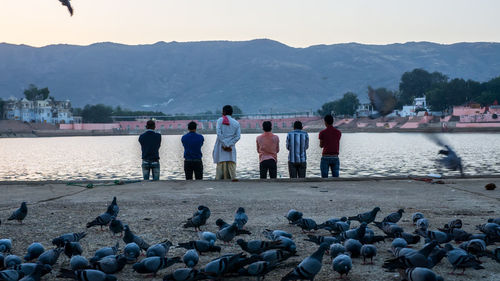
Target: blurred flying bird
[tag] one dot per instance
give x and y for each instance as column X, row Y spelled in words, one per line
column 450, row 161
column 67, row 4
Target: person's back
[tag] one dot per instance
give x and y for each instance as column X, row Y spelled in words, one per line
column 150, row 145
column 330, row 142
column 297, row 142
column 224, row 154
column 192, row 143
column 268, row 148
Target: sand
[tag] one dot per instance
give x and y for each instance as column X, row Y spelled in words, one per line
column 157, row 210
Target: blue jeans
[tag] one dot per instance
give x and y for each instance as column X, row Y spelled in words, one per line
column 330, row 162
column 154, row 167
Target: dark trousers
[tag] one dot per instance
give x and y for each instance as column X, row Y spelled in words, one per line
column 297, row 170
column 268, row 165
column 195, row 166
column 151, row 167
column 329, row 162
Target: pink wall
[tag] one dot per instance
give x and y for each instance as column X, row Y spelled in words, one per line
column 478, row 125
column 89, row 126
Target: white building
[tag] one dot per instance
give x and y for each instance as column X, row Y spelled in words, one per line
column 38, row 111
column 419, row 104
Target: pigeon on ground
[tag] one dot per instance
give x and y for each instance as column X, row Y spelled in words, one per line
column 456, row 223
column 306, row 224
column 68, row 237
column 28, row 268
column 321, row 239
column 111, row 264
column 399, row 243
column 336, row 249
column 103, row 219
column 276, row 256
column 50, row 257
column 459, row 258
column 208, row 236
column 421, row 274
column 116, row 226
column 477, row 247
column 353, row 247
column 240, row 218
column 495, row 220
column 368, row 251
column 72, row 248
column 367, row 217
column 336, row 226
column 68, row 5
column 286, row 244
column 159, row 250
column 410, row 238
column 220, row 266
column 355, row 233
column 222, row 224
column 191, row 258
column 9, row 275
column 436, row 255
column 227, row 234
column 293, row 215
column 257, row 246
column 185, row 274
column 11, row 260
column 132, row 251
column 394, row 217
column 309, row 267
column 103, row 252
column 19, row 214
column 422, row 224
column 35, row 275
column 490, row 229
column 154, row 264
column 78, row 262
column 199, row 218
column 407, row 258
column 5, row 245
column 275, row 234
column 383, row 102
column 416, row 216
column 113, row 208
column 86, row 275
column 201, row 246
column 130, row 237
column 34, row 251
column 258, row 269
column 342, row 264
column 436, row 235
column 390, row 229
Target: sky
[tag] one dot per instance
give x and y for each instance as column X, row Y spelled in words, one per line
column 297, row 23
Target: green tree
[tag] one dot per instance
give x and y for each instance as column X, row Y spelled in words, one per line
column 417, row 83
column 33, row 93
column 455, row 92
column 347, row 105
column 98, row 113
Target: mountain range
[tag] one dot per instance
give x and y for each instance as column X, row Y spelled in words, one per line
column 259, row 75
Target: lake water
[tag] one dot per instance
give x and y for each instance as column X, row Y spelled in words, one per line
column 118, row 157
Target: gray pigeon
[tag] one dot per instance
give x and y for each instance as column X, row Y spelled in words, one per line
column 68, row 237
column 191, row 258
column 276, row 256
column 116, row 226
column 309, row 267
column 132, row 251
column 422, row 224
column 154, row 264
column 275, row 234
column 199, row 218
column 35, row 275
column 130, row 237
column 72, row 248
column 367, row 217
column 490, row 229
column 477, row 247
column 257, row 246
column 459, row 258
column 286, row 244
column 407, row 258
column 103, row 219
column 111, row 264
column 29, row 268
column 383, row 102
column 222, row 224
column 416, row 216
column 201, row 246
column 342, row 264
column 258, row 269
column 293, row 215
column 227, row 234
column 5, row 245
column 450, row 161
column 399, row 243
column 68, row 5
column 337, row 226
column 11, row 261
column 356, row 233
column 394, row 217
column 353, row 246
column 218, row 267
column 495, row 220
column 320, row 239
column 106, row 251
column 368, row 251
column 50, row 257
column 336, row 249
column 240, row 218
column 19, row 214
column 208, row 236
column 86, row 275
column 159, row 250
column 421, row 274
column 390, row 229
column 78, row 262
column 9, row 275
column 436, row 235
column 306, row 224
column 185, row 274
column 410, row 238
column 34, row 251
column 113, row 208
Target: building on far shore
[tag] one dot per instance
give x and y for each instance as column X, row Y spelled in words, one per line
column 38, row 111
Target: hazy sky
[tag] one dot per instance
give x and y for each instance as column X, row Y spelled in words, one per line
column 293, row 22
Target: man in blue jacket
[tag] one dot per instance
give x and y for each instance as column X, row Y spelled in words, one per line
column 150, row 145
column 192, row 143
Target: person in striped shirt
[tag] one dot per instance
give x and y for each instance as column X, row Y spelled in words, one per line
column 297, row 142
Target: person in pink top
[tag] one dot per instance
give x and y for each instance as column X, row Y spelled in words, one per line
column 268, row 146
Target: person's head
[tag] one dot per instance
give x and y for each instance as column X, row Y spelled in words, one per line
column 192, row 126
column 297, row 125
column 227, row 110
column 267, row 126
column 328, row 120
column 150, row 125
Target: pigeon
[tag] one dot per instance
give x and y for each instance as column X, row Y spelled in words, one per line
column 34, row 251
column 201, row 246
column 132, row 251
column 306, row 224
column 78, row 262
column 367, row 217
column 459, row 258
column 185, row 274
column 320, row 239
column 257, row 246
column 353, row 246
column 19, row 214
column 159, row 250
column 222, row 224
column 416, row 216
column 368, row 251
column 407, row 258
column 236, row 262
column 9, row 275
column 198, row 219
column 457, row 223
column 383, row 102
column 208, row 236
column 492, row 230
column 286, row 244
column 390, row 229
column 68, row 237
column 106, row 251
column 309, row 267
column 113, row 208
column 219, row 266
column 240, row 218
column 276, row 256
column 421, row 274
column 68, row 5
column 227, row 234
column 495, row 220
column 293, row 215
column 102, row 220
column 111, row 264
column 116, row 226
column 410, row 238
column 5, row 245
column 336, row 226
column 275, row 234
column 130, row 237
column 342, row 264
column 72, row 248
column 422, row 224
column 154, row 264
column 336, row 249
column 477, row 247
column 436, row 235
column 191, row 258
column 436, row 255
column 35, row 275
column 356, row 233
column 459, row 235
column 399, row 243
column 29, row 268
column 258, row 269
column 86, row 275
column 394, row 217
column 50, row 257
column 11, row 260
column 450, row 161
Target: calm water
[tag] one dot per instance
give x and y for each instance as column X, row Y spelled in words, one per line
column 118, row 157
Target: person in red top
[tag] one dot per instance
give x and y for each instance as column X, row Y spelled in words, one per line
column 268, row 146
column 329, row 140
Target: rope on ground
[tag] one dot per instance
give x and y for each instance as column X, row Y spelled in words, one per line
column 92, row 185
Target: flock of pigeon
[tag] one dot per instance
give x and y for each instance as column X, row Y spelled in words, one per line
column 258, row 257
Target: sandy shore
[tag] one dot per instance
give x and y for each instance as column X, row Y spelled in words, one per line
column 156, row 212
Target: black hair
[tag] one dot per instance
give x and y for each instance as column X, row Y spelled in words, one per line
column 150, row 125
column 297, row 125
column 267, row 126
column 227, row 110
column 192, row 126
column 329, row 119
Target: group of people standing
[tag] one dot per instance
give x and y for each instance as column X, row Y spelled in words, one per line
column 224, row 153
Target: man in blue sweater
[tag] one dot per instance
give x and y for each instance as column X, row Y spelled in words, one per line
column 192, row 143
column 150, row 145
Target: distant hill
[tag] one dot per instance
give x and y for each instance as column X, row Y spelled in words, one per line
column 256, row 75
